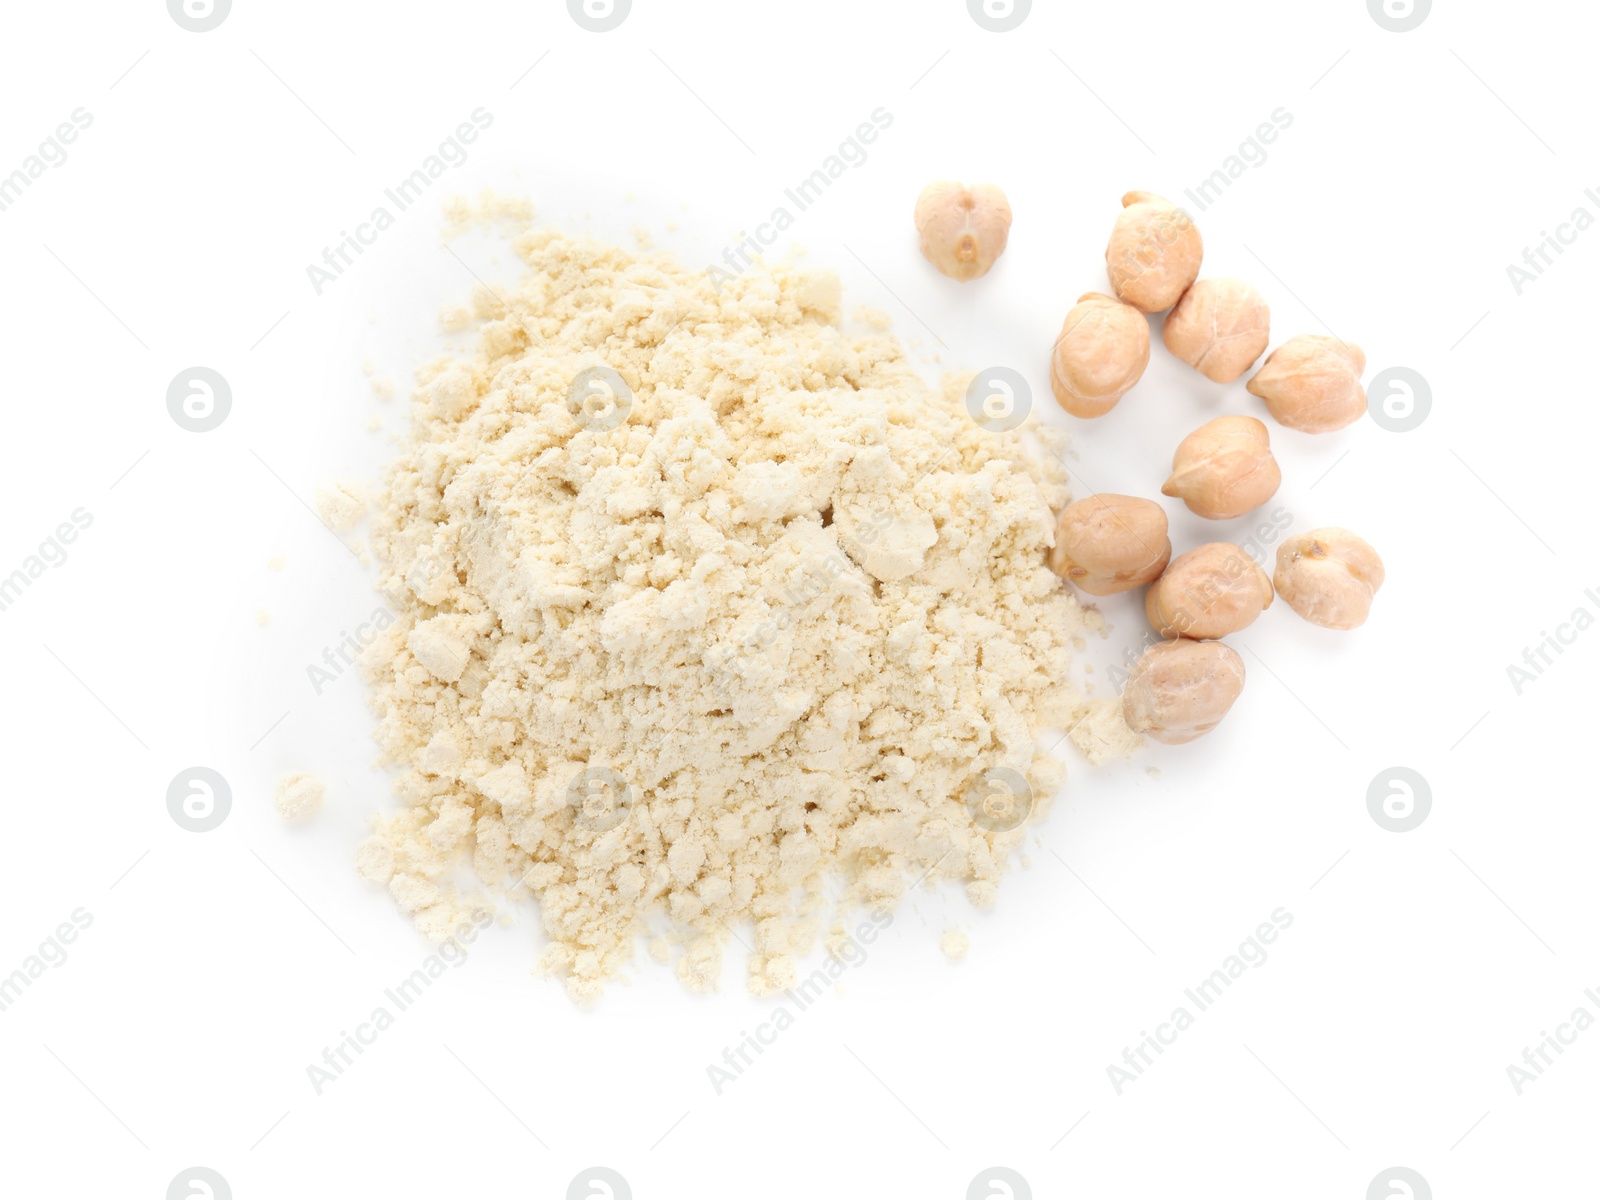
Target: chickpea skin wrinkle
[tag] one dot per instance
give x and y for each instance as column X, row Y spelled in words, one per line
column 1219, row 327
column 1154, row 252
column 1224, row 469
column 1329, row 576
column 1107, row 544
column 1102, row 352
column 1313, row 383
column 1208, row 592
column 962, row 230
column 1182, row 689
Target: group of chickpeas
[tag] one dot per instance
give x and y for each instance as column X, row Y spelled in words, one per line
column 1182, row 687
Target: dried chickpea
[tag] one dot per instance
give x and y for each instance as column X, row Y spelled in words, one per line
column 1154, row 252
column 1329, row 577
column 1224, row 469
column 1180, row 690
column 1107, row 544
column 1103, row 350
column 963, row 230
column 1219, row 328
column 1313, row 383
column 1210, row 592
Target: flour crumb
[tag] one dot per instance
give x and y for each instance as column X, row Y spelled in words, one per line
column 263, row 617
column 1102, row 733
column 873, row 318
column 275, row 563
column 453, row 318
column 299, row 796
column 954, row 944
column 341, row 505
column 641, row 236
column 383, row 389
column 736, row 648
column 1153, row 772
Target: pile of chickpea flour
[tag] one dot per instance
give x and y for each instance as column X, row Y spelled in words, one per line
column 709, row 615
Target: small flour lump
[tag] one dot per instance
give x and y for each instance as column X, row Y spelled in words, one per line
column 736, row 659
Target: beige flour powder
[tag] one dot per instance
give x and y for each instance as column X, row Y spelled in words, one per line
column 739, row 658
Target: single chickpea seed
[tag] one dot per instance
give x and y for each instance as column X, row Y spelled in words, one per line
column 1329, row 577
column 1103, row 349
column 1107, row 544
column 1313, row 383
column 1180, row 690
column 1154, row 253
column 1219, row 328
column 1224, row 469
column 963, row 230
column 1211, row 591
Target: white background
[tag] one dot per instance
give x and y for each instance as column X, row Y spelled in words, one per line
column 219, row 965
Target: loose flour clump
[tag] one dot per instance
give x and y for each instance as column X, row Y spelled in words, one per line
column 749, row 624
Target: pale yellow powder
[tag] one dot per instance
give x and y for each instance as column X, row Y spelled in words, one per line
column 741, row 651
column 299, row 796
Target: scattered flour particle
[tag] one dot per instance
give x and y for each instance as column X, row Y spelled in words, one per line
column 299, row 796
column 342, row 506
column 1103, row 734
column 954, row 944
column 383, row 389
column 374, row 425
column 275, row 563
column 263, row 617
column 873, row 318
column 1153, row 772
column 641, row 235
column 453, row 318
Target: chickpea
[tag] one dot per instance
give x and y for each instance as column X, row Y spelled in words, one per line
column 1107, row 544
column 1103, row 349
column 1180, row 690
column 1219, row 328
column 1329, row 577
column 1313, row 383
column 1154, row 253
column 1211, row 591
column 963, row 230
column 1224, row 469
